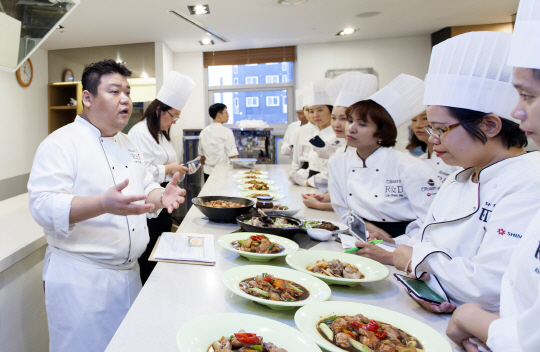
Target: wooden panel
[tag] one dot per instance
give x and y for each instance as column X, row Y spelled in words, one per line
column 250, row 56
column 496, row 27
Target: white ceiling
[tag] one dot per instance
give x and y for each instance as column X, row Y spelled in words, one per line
column 265, row 23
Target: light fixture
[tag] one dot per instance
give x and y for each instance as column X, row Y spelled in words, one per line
column 206, row 41
column 199, row 9
column 347, row 31
column 368, row 14
column 59, row 26
column 199, row 25
column 144, row 75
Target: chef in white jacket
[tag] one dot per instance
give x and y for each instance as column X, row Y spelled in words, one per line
column 515, row 328
column 287, row 147
column 375, row 182
column 152, row 136
column 481, row 213
column 300, row 156
column 89, row 190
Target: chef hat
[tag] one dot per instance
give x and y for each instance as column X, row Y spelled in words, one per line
column 176, row 90
column 316, row 94
column 351, row 87
column 469, row 71
column 299, row 100
column 402, row 98
column 525, row 47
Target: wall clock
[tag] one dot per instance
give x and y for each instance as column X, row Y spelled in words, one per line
column 67, row 76
column 25, row 73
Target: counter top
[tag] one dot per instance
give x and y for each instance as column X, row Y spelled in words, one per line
column 20, row 235
column 177, row 293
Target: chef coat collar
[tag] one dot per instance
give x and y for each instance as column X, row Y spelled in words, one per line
column 96, row 131
column 377, row 158
column 489, row 172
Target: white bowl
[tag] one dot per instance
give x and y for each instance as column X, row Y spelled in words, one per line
column 319, row 234
column 289, row 212
column 226, row 242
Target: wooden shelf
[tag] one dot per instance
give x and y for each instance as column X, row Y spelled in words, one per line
column 63, row 107
column 59, row 95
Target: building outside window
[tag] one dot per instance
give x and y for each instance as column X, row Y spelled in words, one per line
column 236, row 106
column 272, row 101
column 252, row 80
column 252, row 102
column 272, row 79
column 284, row 104
column 284, row 78
column 235, row 81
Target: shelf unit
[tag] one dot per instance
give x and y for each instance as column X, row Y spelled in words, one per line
column 59, row 96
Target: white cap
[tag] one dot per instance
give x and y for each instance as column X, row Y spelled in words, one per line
column 316, row 93
column 525, row 47
column 469, row 71
column 299, row 100
column 402, row 98
column 176, row 90
column 351, row 87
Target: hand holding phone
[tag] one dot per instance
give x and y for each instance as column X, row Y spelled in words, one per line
column 317, row 142
column 419, row 290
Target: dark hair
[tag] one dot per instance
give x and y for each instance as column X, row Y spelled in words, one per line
column 92, row 73
column 216, row 109
column 510, row 133
column 414, row 142
column 330, row 107
column 386, row 128
column 153, row 119
column 536, row 74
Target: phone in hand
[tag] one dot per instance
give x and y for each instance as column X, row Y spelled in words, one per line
column 194, row 162
column 357, row 228
column 317, row 142
column 419, row 289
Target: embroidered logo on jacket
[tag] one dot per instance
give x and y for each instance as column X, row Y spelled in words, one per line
column 135, row 155
column 502, row 232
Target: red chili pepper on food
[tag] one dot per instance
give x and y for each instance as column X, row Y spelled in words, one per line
column 356, row 324
column 257, row 237
column 248, row 338
column 374, row 324
column 381, row 334
column 268, row 278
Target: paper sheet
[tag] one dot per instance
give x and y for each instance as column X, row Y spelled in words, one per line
column 347, row 241
column 186, row 246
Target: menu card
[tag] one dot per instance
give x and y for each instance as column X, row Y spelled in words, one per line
column 190, row 248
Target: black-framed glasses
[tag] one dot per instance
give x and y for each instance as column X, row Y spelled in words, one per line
column 438, row 132
column 174, row 118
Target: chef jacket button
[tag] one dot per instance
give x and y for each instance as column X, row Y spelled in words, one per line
column 129, row 260
column 353, row 170
column 126, row 166
column 383, row 219
column 437, row 163
column 113, row 167
column 132, row 229
column 350, row 194
column 376, row 195
column 377, row 170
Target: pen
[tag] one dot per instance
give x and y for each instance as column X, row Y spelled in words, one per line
column 354, row 249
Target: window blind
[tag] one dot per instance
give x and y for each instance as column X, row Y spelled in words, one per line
column 250, row 56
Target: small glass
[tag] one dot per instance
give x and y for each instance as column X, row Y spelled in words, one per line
column 265, row 203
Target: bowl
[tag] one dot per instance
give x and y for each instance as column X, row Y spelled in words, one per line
column 283, row 232
column 223, row 214
column 306, row 319
column 250, row 193
column 226, row 242
column 290, row 212
column 308, row 224
column 198, row 334
column 318, row 290
column 372, row 270
column 319, row 234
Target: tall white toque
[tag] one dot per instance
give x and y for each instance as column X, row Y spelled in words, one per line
column 299, row 99
column 316, row 94
column 176, row 90
column 469, row 71
column 351, row 87
column 525, row 47
column 402, row 98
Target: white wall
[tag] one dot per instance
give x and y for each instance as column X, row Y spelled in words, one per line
column 163, row 62
column 23, row 118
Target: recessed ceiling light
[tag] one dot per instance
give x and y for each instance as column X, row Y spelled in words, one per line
column 59, row 26
column 206, row 41
column 347, row 31
column 199, row 9
column 144, row 75
column 368, row 14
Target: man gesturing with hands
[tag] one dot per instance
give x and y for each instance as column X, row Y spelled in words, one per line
column 91, row 193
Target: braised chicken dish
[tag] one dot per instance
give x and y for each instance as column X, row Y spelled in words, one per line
column 266, row 221
column 253, row 172
column 251, row 176
column 244, row 342
column 335, row 268
column 259, row 186
column 257, row 244
column 253, row 182
column 222, row 204
column 268, row 287
column 325, row 225
column 255, row 195
column 358, row 333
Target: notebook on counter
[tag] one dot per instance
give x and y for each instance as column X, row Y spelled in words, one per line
column 185, row 248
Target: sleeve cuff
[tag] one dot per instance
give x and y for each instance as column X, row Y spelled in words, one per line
column 403, row 239
column 311, row 181
column 161, row 173
column 61, row 210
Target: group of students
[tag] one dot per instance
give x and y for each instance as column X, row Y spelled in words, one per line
column 474, row 238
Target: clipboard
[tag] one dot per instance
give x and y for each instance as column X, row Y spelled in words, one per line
column 152, row 259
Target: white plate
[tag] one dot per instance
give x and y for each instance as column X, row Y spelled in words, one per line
column 306, row 319
column 372, row 270
column 251, row 178
column 226, row 240
column 198, row 334
column 318, row 290
column 249, row 172
column 246, row 186
column 289, row 212
column 248, row 193
column 242, row 181
column 342, row 227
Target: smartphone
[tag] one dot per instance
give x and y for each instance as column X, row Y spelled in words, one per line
column 195, row 162
column 419, row 289
column 317, row 142
column 357, row 227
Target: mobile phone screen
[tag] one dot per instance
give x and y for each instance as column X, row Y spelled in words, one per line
column 419, row 289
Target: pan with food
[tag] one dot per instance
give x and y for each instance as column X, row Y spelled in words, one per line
column 280, row 225
column 223, row 208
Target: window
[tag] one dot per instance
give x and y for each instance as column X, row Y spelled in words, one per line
column 252, row 102
column 251, row 64
column 235, row 69
column 252, row 79
column 284, row 78
column 284, row 66
column 272, row 101
column 235, row 81
column 272, row 79
column 236, row 105
column 284, row 104
column 271, row 63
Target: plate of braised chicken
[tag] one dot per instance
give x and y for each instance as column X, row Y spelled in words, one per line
column 258, row 247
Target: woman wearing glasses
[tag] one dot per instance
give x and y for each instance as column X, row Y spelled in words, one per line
column 480, row 213
column 152, row 135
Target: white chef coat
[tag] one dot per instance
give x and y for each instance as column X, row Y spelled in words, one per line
column 517, row 329
column 217, row 144
column 439, row 166
column 343, row 149
column 289, row 138
column 155, row 155
column 319, row 164
column 302, row 147
column 90, row 268
column 393, row 187
column 472, row 229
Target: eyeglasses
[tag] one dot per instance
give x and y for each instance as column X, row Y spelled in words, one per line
column 438, row 132
column 174, row 118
